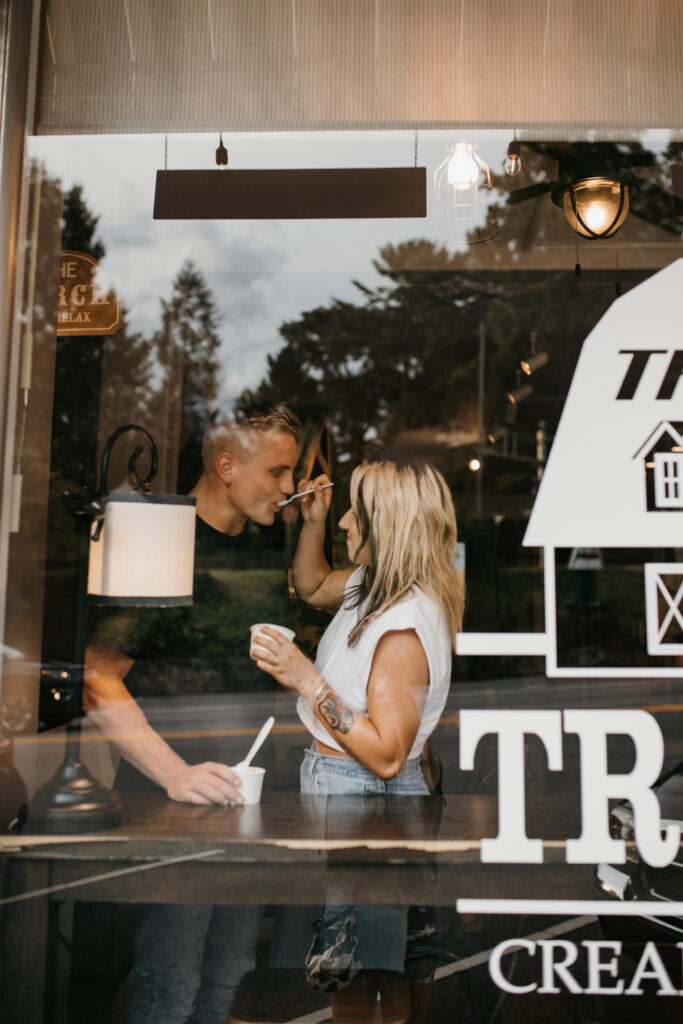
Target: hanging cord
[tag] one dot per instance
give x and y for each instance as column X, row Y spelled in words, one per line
column 617, row 283
column 165, row 152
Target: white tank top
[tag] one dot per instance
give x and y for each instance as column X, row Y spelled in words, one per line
column 347, row 669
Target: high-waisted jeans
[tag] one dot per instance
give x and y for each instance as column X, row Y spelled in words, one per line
column 389, row 937
column 321, row 773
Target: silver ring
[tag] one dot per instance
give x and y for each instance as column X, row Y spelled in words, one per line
column 276, row 661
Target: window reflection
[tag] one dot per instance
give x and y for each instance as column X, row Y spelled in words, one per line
column 393, row 340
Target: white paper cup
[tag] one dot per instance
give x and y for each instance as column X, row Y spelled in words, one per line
column 252, row 783
column 256, row 629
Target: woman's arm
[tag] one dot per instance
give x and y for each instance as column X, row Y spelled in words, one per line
column 314, row 580
column 397, row 688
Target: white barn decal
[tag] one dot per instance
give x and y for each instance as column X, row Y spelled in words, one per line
column 614, row 477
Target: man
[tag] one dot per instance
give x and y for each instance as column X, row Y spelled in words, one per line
column 188, row 959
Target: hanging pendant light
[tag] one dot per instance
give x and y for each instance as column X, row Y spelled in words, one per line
column 596, row 207
column 459, row 177
column 513, row 162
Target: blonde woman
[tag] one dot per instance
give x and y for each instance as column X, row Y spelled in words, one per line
column 382, row 672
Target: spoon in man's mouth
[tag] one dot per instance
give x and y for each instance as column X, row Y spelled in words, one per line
column 300, row 494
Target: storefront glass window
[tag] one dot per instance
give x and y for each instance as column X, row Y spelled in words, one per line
column 451, row 339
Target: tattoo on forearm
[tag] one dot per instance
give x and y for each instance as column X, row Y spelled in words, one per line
column 334, row 711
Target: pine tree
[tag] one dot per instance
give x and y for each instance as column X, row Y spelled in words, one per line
column 79, row 225
column 189, row 336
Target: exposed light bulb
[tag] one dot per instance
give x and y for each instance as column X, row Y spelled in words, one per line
column 463, row 170
column 474, row 465
column 459, row 177
column 513, row 163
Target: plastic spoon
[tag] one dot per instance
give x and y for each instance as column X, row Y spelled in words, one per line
column 265, row 729
column 300, row 494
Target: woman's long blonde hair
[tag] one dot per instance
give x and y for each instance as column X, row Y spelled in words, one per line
column 406, row 516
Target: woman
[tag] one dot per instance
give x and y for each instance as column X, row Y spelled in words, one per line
column 382, row 672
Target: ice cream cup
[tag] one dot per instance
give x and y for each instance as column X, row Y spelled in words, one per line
column 252, row 783
column 258, row 626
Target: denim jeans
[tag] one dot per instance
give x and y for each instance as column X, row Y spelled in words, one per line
column 382, row 928
column 189, row 961
column 321, row 773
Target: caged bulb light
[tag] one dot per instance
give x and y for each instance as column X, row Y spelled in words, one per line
column 596, row 207
column 460, row 175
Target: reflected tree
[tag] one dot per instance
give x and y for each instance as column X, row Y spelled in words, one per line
column 96, row 381
column 79, row 225
column 187, row 346
column 405, row 356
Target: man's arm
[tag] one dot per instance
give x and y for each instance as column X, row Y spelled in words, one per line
column 112, row 709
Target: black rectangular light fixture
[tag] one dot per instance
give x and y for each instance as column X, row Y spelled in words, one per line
column 298, row 194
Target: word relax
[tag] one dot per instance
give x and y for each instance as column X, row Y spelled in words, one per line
column 657, row 846
column 556, row 956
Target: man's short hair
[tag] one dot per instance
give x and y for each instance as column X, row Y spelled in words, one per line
column 238, row 435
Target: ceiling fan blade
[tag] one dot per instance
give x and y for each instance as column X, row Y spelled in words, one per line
column 521, row 194
column 677, row 182
column 560, row 151
column 656, row 206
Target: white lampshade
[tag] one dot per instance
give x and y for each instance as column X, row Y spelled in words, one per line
column 145, row 551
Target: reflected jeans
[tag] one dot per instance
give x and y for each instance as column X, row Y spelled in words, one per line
column 189, row 961
column 390, row 936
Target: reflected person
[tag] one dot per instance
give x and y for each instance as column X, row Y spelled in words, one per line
column 377, row 689
column 189, row 959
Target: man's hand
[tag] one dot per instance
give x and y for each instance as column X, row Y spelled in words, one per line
column 122, row 723
column 207, row 783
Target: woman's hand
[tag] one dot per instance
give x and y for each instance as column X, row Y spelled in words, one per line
column 314, row 507
column 282, row 659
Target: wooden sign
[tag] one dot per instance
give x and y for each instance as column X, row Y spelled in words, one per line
column 296, row 194
column 88, row 302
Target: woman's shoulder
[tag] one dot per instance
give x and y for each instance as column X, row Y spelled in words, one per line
column 417, row 610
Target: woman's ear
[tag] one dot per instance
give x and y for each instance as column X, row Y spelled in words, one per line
column 224, row 466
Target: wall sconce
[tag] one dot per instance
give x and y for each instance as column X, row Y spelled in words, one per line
column 460, row 175
column 124, row 541
column 596, row 207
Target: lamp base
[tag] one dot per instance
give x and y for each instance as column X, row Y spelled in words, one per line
column 72, row 802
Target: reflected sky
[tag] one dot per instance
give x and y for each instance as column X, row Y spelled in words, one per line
column 261, row 273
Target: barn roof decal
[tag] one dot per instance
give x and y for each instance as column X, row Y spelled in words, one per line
column 625, row 400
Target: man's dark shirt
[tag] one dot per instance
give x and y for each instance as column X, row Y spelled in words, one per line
column 193, row 651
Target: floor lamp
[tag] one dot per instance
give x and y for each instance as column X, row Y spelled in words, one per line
column 124, row 542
